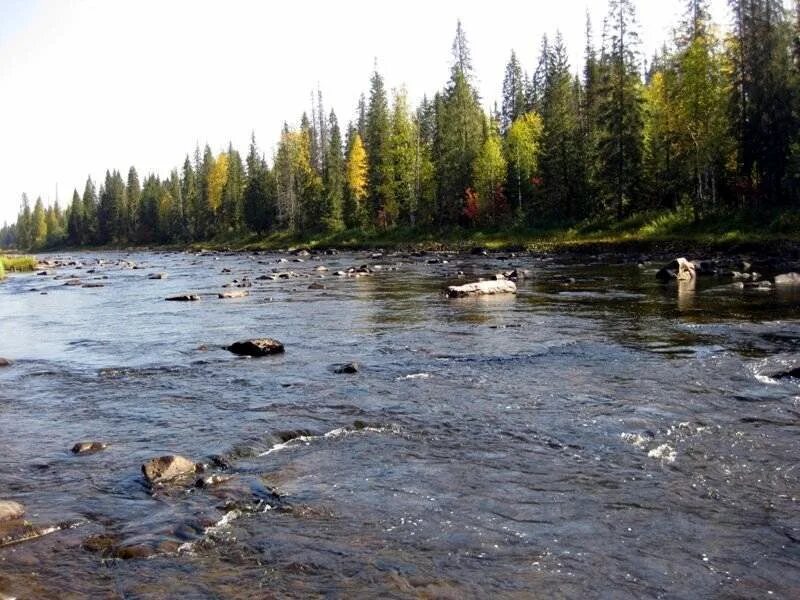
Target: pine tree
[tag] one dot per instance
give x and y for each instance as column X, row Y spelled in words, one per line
column 459, row 134
column 90, row 226
column 191, row 197
column 379, row 175
column 334, row 177
column 619, row 112
column 513, row 93
column 75, row 221
column 233, row 193
column 258, row 215
column 134, row 195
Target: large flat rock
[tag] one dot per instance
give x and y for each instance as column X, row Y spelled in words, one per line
column 482, row 288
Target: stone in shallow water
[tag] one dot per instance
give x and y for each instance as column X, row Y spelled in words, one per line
column 184, row 298
column 793, row 373
column 482, row 288
column 10, row 510
column 4, row 362
column 88, row 447
column 351, row 367
column 234, row 294
column 788, row 279
column 165, row 468
column 680, row 269
column 257, row 347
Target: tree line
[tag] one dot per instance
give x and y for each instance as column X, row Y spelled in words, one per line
column 711, row 123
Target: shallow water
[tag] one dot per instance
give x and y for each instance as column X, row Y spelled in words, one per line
column 607, row 437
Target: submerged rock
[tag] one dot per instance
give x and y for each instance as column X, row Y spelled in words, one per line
column 88, row 447
column 680, row 269
column 316, row 286
column 347, row 368
column 165, row 468
column 788, row 279
column 234, row 294
column 157, row 276
column 4, row 362
column 792, row 373
column 10, row 510
column 184, row 298
column 482, row 288
column 258, row 347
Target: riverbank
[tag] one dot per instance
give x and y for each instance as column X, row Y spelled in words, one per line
column 653, row 232
column 640, row 233
column 16, row 264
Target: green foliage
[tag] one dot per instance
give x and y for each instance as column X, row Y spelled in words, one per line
column 710, row 137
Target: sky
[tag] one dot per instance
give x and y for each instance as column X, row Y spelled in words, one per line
column 90, row 85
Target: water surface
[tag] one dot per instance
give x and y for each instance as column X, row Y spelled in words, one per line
column 598, row 435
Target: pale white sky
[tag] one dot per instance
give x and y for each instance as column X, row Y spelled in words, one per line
column 87, row 85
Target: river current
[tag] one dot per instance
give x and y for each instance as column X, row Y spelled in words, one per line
column 598, row 435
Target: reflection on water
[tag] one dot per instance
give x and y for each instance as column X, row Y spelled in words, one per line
column 597, row 435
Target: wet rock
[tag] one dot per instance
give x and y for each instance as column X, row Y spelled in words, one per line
column 184, row 298
column 212, row 480
column 347, row 368
column 88, row 447
column 101, row 543
column 316, row 286
column 10, row 510
column 788, row 279
column 479, row 251
column 4, row 362
column 257, row 347
column 234, row 294
column 518, row 274
column 73, row 282
column 705, row 267
column 680, row 269
column 133, row 551
column 166, row 468
column 157, row 276
column 321, row 268
column 481, row 288
column 763, row 286
column 94, row 285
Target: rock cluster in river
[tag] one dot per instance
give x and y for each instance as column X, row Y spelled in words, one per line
column 679, row 269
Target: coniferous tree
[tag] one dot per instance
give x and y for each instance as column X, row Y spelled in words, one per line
column 513, row 93
column 356, row 211
column 619, row 112
column 90, row 225
column 334, row 177
column 459, row 133
column 377, row 144
column 75, row 221
column 134, row 196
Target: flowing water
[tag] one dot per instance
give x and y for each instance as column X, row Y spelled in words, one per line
column 598, row 435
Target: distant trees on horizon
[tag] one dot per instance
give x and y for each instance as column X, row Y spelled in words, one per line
column 712, row 124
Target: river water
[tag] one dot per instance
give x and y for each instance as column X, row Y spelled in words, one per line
column 598, row 435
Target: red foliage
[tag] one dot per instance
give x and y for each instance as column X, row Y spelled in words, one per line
column 500, row 207
column 471, row 209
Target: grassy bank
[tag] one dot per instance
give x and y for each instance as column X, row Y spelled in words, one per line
column 16, row 264
column 647, row 230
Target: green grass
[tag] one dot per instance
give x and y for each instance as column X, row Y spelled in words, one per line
column 17, row 264
column 643, row 229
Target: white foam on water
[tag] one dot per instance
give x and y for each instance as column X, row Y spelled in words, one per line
column 413, row 376
column 634, row 439
column 334, row 433
column 664, row 452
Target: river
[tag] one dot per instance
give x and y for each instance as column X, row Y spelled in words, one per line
column 598, row 435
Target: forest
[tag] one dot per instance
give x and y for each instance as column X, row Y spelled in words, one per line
column 709, row 126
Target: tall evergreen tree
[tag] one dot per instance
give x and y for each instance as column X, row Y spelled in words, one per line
column 334, row 177
column 513, row 93
column 379, row 174
column 619, row 112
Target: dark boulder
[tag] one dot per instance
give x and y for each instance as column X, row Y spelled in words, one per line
column 184, row 298
column 257, row 347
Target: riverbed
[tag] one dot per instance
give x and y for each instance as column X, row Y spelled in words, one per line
column 598, row 434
